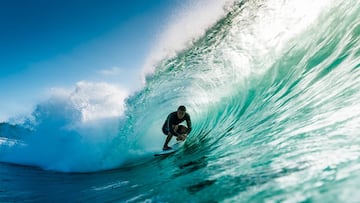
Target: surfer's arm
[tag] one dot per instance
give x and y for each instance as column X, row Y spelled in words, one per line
column 172, row 131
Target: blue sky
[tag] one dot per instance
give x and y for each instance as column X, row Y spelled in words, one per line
column 56, row 43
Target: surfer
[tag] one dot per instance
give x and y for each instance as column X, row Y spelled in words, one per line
column 171, row 126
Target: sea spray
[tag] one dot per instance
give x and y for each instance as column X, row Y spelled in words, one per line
column 73, row 131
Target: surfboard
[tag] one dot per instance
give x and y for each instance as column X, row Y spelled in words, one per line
column 174, row 147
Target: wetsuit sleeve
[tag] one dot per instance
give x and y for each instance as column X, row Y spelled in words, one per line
column 188, row 123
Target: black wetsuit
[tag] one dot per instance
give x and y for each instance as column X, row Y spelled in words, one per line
column 173, row 120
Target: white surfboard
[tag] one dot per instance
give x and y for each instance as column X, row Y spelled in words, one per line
column 174, row 147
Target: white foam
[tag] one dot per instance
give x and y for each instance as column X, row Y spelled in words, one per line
column 74, row 130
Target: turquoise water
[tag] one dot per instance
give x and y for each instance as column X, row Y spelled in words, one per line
column 273, row 92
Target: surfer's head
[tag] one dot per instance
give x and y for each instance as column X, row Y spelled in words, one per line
column 181, row 112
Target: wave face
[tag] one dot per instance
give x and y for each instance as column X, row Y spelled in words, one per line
column 272, row 89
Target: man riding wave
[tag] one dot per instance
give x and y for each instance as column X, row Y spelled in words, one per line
column 172, row 128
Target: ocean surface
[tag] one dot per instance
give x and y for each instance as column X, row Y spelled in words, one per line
column 273, row 90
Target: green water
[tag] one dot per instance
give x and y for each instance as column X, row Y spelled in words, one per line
column 273, row 90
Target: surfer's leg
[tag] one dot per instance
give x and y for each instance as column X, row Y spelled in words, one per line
column 168, row 138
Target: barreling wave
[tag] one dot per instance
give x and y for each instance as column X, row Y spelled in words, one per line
column 272, row 89
column 256, row 67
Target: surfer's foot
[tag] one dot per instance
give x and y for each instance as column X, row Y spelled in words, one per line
column 167, row 148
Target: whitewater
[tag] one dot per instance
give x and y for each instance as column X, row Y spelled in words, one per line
column 272, row 88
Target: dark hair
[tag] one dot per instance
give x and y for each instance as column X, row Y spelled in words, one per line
column 182, row 108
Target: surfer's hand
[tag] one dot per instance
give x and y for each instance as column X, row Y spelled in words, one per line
column 183, row 136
